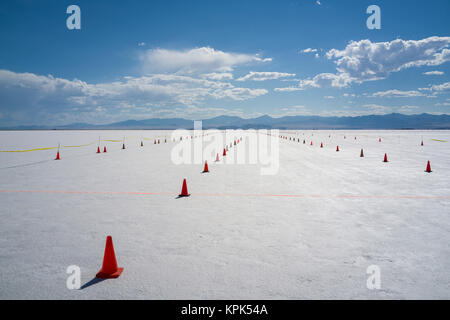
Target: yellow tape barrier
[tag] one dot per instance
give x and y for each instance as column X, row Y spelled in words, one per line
column 37, row 149
column 81, row 145
column 48, row 148
column 78, row 146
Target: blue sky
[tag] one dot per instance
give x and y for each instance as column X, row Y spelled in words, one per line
column 199, row 59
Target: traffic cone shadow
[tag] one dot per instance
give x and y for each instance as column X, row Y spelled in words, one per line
column 93, row 281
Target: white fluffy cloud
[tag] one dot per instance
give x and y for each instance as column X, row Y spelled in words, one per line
column 437, row 89
column 407, row 109
column 218, row 76
column 364, row 60
column 298, row 110
column 394, row 93
column 433, row 73
column 309, row 50
column 27, row 94
column 263, row 76
column 287, row 89
column 440, row 87
column 377, row 109
column 367, row 109
column 443, row 104
column 326, row 80
column 197, row 60
column 380, row 109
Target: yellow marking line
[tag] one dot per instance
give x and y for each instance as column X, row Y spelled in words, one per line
column 439, row 140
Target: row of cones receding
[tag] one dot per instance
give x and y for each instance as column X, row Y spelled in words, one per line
column 184, row 190
column 329, row 136
column 428, row 168
column 110, row 268
column 58, row 155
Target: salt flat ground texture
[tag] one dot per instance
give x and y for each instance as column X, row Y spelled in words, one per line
column 309, row 231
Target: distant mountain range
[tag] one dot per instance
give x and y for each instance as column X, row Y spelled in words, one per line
column 388, row 121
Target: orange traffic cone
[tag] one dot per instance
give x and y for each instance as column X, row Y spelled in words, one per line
column 385, row 158
column 362, row 153
column 337, row 148
column 428, row 169
column 104, row 149
column 109, row 268
column 57, row 156
column 184, row 191
column 98, row 149
column 224, row 152
column 205, row 169
column 311, row 142
column 321, row 145
column 217, row 157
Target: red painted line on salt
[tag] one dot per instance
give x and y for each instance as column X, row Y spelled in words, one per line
column 85, row 192
column 319, row 196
